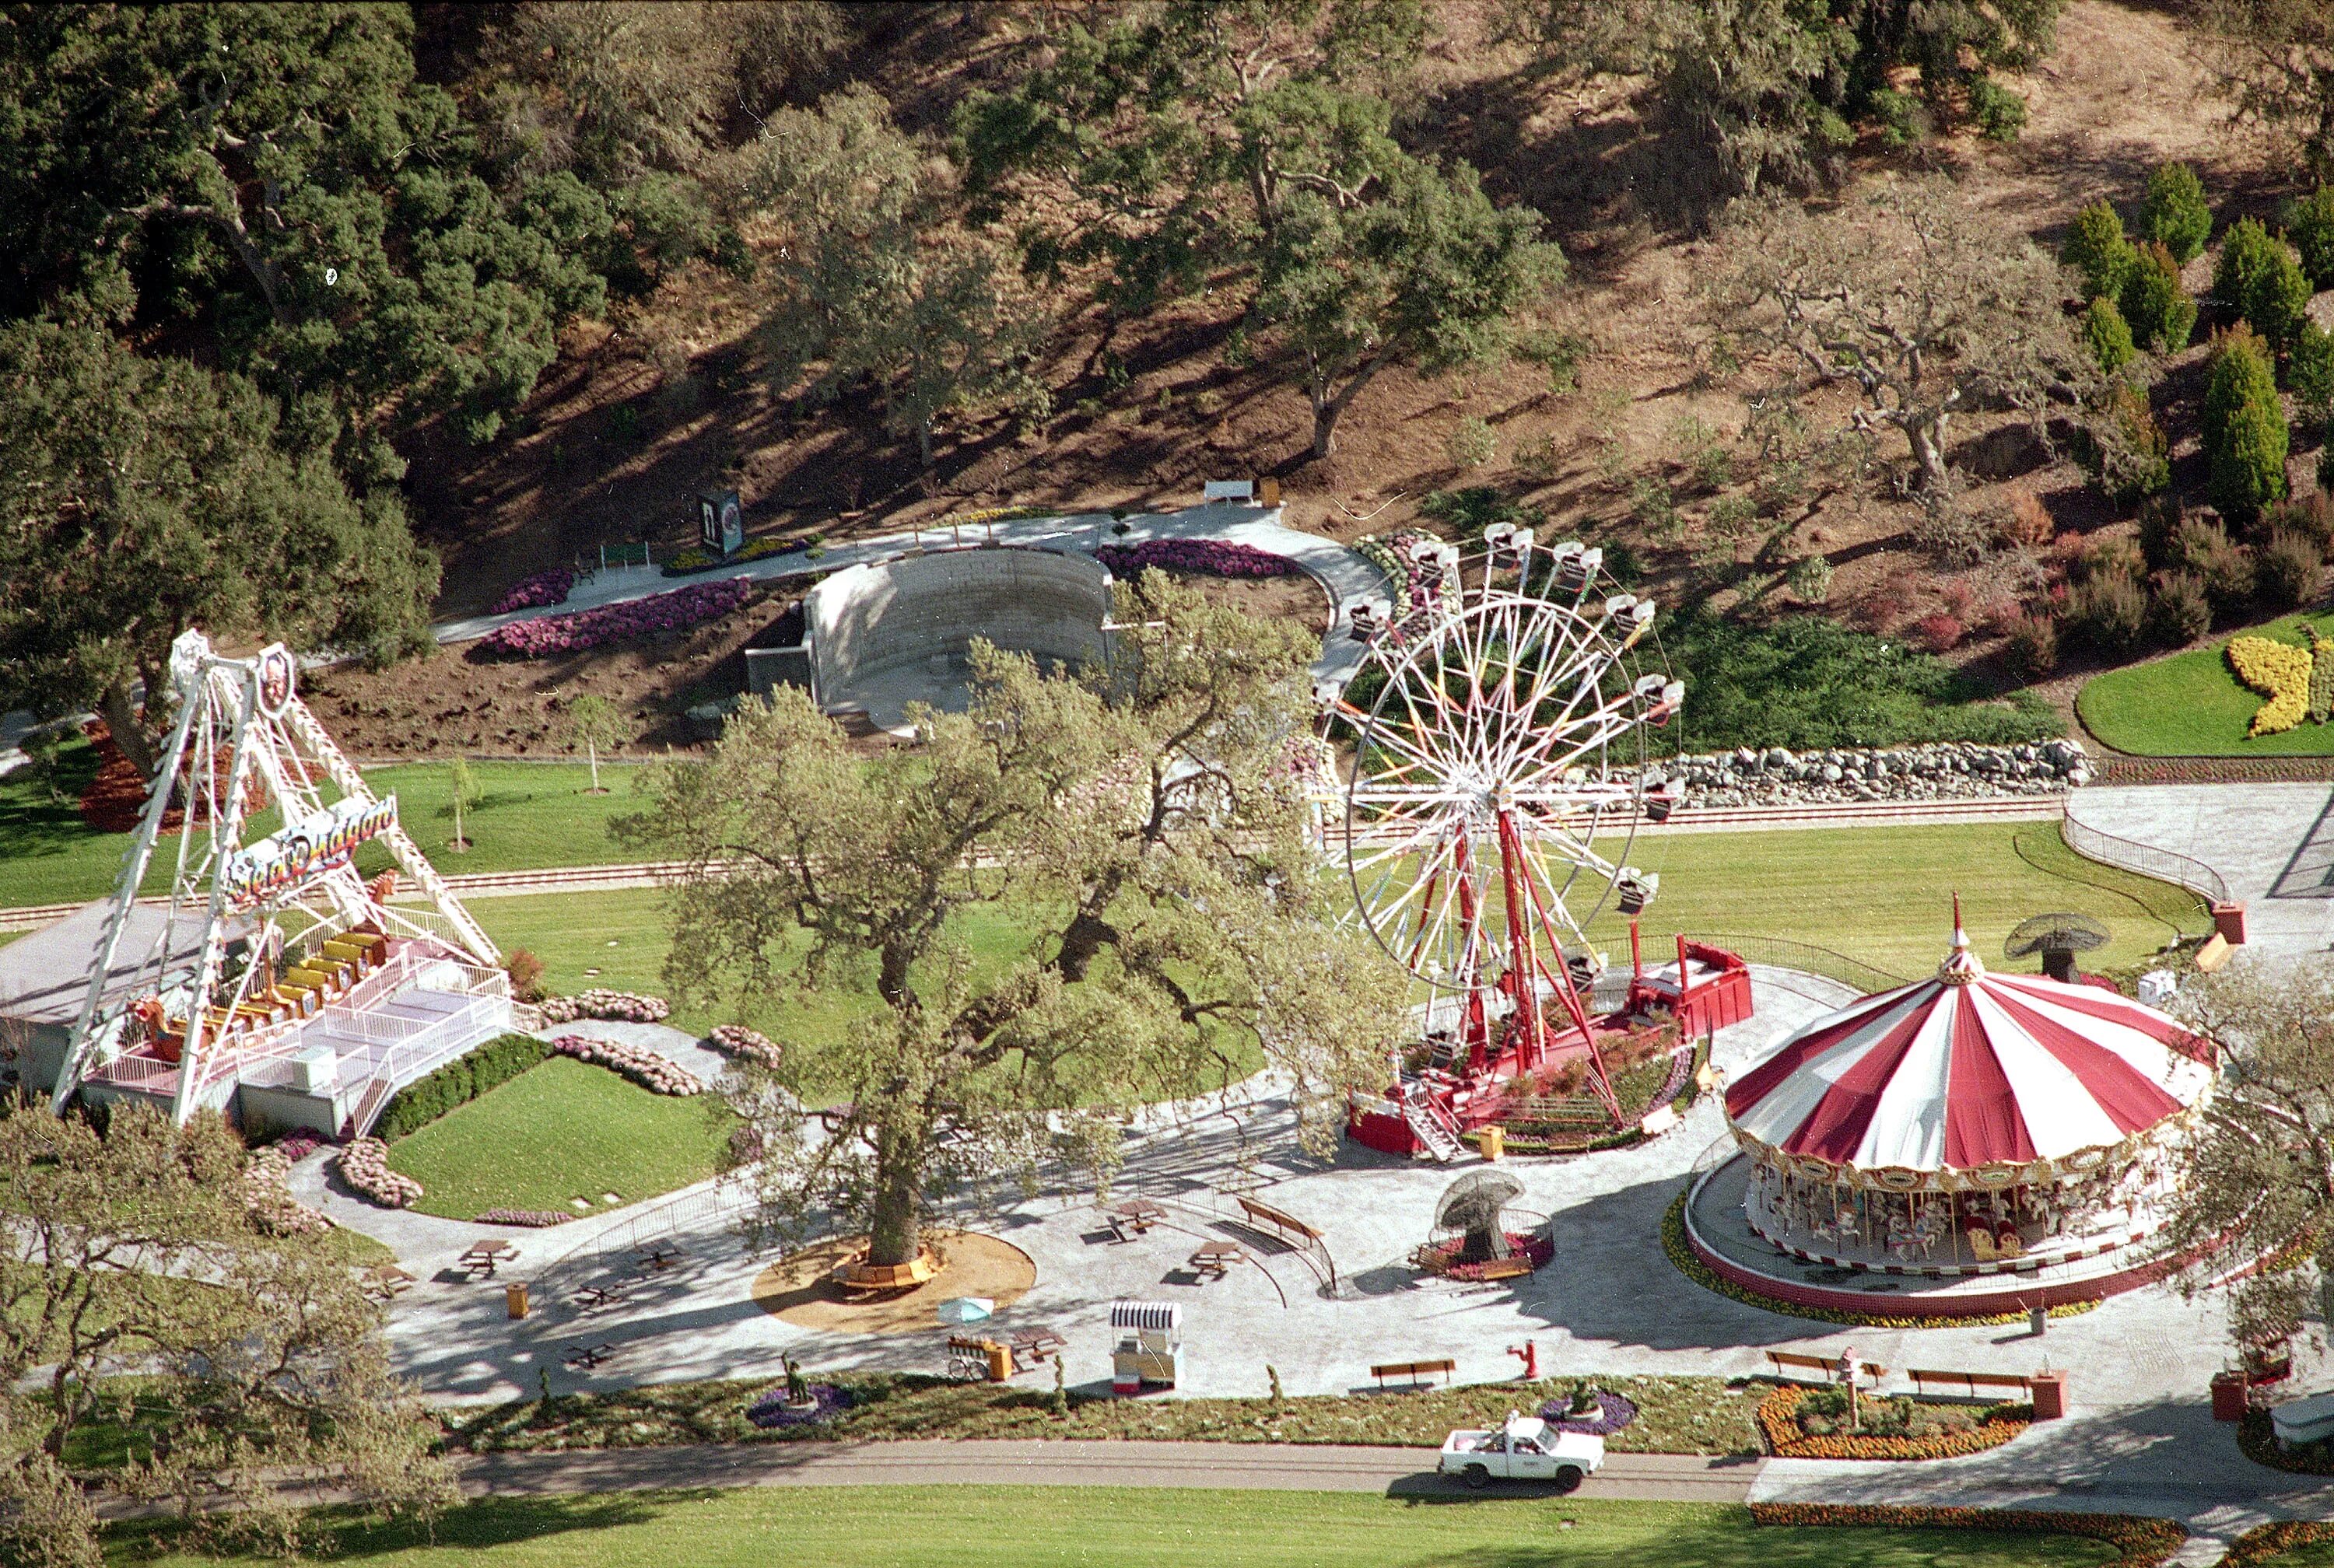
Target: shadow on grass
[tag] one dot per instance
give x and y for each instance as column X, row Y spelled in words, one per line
column 345, row 1535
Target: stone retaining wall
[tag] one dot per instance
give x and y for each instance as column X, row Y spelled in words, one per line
column 1947, row 771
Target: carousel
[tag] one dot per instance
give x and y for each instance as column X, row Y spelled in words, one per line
column 1932, row 1140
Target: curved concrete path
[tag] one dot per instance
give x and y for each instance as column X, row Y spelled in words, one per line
column 2272, row 843
column 1343, row 574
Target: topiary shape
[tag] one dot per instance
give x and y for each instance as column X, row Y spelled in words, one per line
column 2278, row 671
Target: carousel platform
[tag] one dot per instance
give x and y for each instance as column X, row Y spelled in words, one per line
column 1827, row 1275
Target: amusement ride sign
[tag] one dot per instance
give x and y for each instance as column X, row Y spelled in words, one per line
column 297, row 855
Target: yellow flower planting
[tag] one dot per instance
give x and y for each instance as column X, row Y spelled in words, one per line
column 2278, row 671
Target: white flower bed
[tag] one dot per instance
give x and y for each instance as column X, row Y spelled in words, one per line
column 268, row 1198
column 746, row 1044
column 611, row 1006
column 364, row 1165
column 642, row 1066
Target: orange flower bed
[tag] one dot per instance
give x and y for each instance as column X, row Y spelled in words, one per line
column 1778, row 1423
column 2265, row 1543
column 2139, row 1543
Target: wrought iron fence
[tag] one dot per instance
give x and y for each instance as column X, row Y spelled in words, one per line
column 2149, row 860
column 1782, row 953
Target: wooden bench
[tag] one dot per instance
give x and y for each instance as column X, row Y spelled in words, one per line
column 1793, row 1363
column 874, row 1277
column 1970, row 1382
column 1416, row 1371
column 1500, row 1268
column 1280, row 1220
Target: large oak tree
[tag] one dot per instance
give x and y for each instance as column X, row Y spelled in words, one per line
column 1147, row 832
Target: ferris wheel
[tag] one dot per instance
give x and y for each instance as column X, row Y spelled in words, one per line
column 1500, row 776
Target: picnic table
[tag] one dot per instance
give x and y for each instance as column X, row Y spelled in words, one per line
column 1033, row 1345
column 600, row 1295
column 481, row 1257
column 1136, row 1214
column 1216, row 1259
column 385, row 1279
column 659, row 1255
column 584, row 1358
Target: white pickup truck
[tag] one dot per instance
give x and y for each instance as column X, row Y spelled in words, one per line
column 1526, row 1449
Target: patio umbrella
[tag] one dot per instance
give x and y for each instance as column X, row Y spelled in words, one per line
column 966, row 1309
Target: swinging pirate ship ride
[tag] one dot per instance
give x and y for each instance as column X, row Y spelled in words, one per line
column 274, row 984
column 1515, row 691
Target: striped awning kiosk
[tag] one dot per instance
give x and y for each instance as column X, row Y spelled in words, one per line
column 1157, row 1316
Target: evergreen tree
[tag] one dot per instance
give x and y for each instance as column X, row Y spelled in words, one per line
column 2245, row 435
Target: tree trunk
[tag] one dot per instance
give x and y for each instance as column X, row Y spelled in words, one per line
column 122, row 718
column 924, row 442
column 893, row 1236
column 1325, row 427
column 1086, row 937
column 1928, row 436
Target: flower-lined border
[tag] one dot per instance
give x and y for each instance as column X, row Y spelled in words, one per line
column 2139, row 1543
column 1778, row 1424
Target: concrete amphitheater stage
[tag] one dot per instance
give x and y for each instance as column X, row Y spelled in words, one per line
column 1721, row 1235
column 884, row 634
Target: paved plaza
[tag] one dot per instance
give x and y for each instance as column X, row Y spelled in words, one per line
column 2272, row 843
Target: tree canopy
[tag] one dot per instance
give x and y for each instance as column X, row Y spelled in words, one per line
column 1148, row 831
column 140, row 496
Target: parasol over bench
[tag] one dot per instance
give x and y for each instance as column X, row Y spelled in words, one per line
column 1970, row 1080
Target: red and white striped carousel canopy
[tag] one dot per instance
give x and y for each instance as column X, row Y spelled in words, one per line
column 1970, row 1069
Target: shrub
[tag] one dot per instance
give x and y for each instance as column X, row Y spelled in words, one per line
column 2033, row 649
column 2107, row 335
column 615, row 1006
column 1470, row 443
column 2290, row 569
column 583, row 629
column 2111, row 608
column 2177, row 610
column 527, row 1218
column 459, row 1081
column 2028, row 522
column 1998, row 113
column 1810, row 579
column 2204, row 548
column 1951, row 533
column 2174, row 213
column 2154, row 302
column 526, row 971
column 2309, row 370
column 1470, row 510
column 2245, row 255
column 652, row 1072
column 2326, row 458
column 2311, row 516
column 530, row 593
column 2245, row 434
column 2125, row 447
column 2308, row 225
column 1940, row 632
column 1207, row 557
column 2159, row 530
column 2278, row 304
column 747, row 1044
column 364, row 1165
column 2097, row 248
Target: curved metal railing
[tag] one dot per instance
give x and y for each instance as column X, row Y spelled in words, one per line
column 1782, row 953
column 2149, row 860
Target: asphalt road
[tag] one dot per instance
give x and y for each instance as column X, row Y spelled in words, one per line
column 997, row 1462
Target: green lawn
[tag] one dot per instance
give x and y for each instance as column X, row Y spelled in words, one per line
column 560, row 1130
column 1885, row 895
column 1081, row 1527
column 529, row 814
column 618, row 940
column 2191, row 705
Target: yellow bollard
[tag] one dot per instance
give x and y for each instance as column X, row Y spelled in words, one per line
column 515, row 1296
column 1493, row 1140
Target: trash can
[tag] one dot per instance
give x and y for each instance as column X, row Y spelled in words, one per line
column 515, row 1296
column 1000, row 1360
column 2229, row 1396
column 1493, row 1140
column 2050, row 1392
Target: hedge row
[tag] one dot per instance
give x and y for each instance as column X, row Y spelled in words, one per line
column 2139, row 1543
column 1778, row 1423
column 459, row 1081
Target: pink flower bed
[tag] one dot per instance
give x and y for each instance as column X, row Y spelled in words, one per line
column 270, row 1202
column 531, row 593
column 532, row 1218
column 1213, row 557
column 584, row 629
column 364, row 1165
column 746, row 1044
column 643, row 1067
column 611, row 1006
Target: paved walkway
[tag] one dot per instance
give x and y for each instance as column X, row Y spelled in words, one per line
column 1343, row 574
column 2272, row 843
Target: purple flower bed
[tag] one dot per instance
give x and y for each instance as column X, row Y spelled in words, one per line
column 1613, row 1413
column 530, row 593
column 297, row 1146
column 1214, row 557
column 532, row 1218
column 682, row 607
column 771, row 1410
